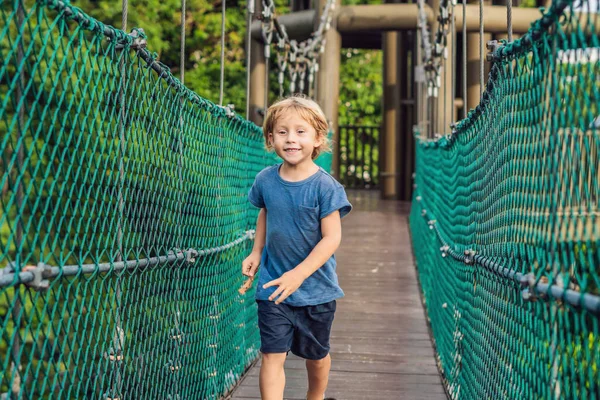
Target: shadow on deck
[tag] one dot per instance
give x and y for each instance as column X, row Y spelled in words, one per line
column 380, row 343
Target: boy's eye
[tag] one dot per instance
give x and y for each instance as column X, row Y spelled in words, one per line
column 300, row 131
column 281, row 132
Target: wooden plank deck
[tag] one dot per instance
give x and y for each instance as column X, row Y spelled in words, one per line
column 380, row 345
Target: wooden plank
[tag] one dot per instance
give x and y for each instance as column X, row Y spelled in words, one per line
column 380, row 344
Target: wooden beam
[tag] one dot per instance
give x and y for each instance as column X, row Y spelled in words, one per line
column 395, row 17
column 354, row 22
column 299, row 25
column 379, row 17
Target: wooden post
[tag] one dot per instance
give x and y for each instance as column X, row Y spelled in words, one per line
column 406, row 148
column 258, row 85
column 391, row 106
column 328, row 82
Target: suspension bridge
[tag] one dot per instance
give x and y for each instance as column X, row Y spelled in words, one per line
column 471, row 262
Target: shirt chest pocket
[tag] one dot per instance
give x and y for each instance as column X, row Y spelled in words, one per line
column 308, row 218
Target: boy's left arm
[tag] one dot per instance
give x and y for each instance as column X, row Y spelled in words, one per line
column 331, row 230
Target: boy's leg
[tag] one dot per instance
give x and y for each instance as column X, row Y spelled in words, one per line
column 318, row 377
column 272, row 376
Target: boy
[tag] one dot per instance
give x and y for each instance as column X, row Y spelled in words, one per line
column 297, row 231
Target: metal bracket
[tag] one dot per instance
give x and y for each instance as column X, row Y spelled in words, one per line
column 444, row 249
column 492, row 46
column 114, row 355
column 139, row 39
column 138, row 42
column 469, row 256
column 172, row 366
column 229, row 110
column 41, row 274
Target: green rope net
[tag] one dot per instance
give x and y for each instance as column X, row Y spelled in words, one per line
column 506, row 221
column 123, row 218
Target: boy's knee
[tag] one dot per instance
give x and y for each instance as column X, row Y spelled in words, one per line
column 319, row 363
column 274, row 358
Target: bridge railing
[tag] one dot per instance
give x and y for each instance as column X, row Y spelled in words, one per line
column 506, row 222
column 358, row 152
column 123, row 218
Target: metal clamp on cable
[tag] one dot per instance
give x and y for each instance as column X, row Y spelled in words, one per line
column 176, row 334
column 530, row 293
column 469, row 256
column 229, row 110
column 444, row 249
column 172, row 366
column 138, row 40
column 114, row 355
column 190, row 256
column 527, row 283
column 492, row 46
column 41, row 274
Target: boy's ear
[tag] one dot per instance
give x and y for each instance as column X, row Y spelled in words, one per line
column 318, row 141
column 270, row 135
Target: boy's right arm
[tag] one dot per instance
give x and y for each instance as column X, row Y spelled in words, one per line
column 251, row 263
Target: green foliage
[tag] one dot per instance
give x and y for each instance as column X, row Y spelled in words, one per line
column 361, row 87
column 360, row 75
column 528, row 4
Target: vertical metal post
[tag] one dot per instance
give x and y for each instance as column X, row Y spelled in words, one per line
column 509, row 20
column 222, row 79
column 250, row 12
column 453, row 63
column 464, row 57
column 444, row 102
column 118, row 334
column 481, row 62
column 15, row 389
column 176, row 333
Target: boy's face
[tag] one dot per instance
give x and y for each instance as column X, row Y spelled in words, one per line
column 294, row 139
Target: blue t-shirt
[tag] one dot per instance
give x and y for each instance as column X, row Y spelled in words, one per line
column 294, row 213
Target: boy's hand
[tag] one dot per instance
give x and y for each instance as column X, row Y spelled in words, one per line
column 288, row 283
column 250, row 264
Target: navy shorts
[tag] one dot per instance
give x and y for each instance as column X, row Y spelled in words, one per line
column 302, row 330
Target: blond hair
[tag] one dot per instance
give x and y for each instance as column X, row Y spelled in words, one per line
column 306, row 109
